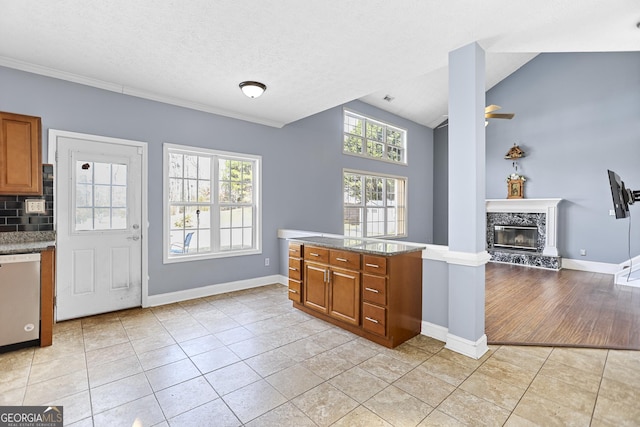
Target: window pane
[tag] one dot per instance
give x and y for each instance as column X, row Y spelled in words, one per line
column 391, row 221
column 247, row 216
column 247, row 238
column 84, row 174
column 352, row 189
column 84, row 195
column 175, row 190
column 119, row 197
column 84, row 219
column 190, row 166
column 102, row 173
column 353, row 125
column 375, row 222
column 236, row 217
column 374, row 190
column 204, row 240
column 175, row 165
column 225, row 239
column 353, row 222
column 225, row 217
column 236, row 238
column 118, row 219
column 204, row 168
column 204, row 217
column 375, row 149
column 191, row 216
column 352, row 144
column 119, row 174
column 102, row 218
column 394, row 137
column 102, row 196
column 204, row 190
column 375, row 132
column 191, row 190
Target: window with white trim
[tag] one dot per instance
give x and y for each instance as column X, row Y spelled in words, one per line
column 212, row 203
column 374, row 205
column 371, row 138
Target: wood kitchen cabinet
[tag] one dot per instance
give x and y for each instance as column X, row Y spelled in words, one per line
column 374, row 296
column 295, row 272
column 47, row 295
column 20, row 154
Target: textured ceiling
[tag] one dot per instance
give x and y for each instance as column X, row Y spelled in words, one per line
column 312, row 55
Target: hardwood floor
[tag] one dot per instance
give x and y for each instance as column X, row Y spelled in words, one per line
column 529, row 306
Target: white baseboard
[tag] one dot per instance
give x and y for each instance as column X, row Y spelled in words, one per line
column 205, row 291
column 468, row 348
column 591, row 266
column 434, row 331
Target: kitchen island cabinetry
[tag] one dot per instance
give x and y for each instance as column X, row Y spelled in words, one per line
column 373, row 291
column 20, row 154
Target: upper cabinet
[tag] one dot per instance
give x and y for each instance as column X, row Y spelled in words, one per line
column 20, row 154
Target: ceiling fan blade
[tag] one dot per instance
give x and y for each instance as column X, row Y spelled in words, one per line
column 500, row 116
column 491, row 108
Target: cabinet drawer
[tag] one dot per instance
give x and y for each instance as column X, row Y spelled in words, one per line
column 374, row 289
column 374, row 319
column 374, row 264
column 295, row 268
column 295, row 250
column 295, row 290
column 345, row 259
column 315, row 254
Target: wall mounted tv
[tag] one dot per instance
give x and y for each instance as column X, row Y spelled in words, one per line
column 622, row 196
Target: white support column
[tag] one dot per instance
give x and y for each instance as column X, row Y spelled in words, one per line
column 467, row 217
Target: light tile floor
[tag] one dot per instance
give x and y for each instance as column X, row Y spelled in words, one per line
column 249, row 358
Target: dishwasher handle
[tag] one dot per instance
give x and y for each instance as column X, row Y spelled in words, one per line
column 16, row 258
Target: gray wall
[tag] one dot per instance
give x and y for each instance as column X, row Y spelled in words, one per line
column 302, row 165
column 577, row 115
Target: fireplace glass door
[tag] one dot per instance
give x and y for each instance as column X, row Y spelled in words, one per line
column 515, row 237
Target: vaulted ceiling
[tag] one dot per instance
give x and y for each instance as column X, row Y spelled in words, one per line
column 312, row 55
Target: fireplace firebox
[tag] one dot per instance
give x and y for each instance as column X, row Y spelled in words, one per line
column 515, row 237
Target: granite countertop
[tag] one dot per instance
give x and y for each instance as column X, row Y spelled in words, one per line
column 375, row 247
column 24, row 242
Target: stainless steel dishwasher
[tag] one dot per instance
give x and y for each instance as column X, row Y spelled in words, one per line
column 19, row 298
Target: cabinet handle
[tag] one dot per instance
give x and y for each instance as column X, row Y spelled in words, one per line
column 371, row 320
column 293, row 268
column 372, row 290
column 313, row 254
column 293, row 250
column 372, row 265
column 293, row 291
column 341, row 259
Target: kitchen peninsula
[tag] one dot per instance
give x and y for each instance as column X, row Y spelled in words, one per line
column 370, row 287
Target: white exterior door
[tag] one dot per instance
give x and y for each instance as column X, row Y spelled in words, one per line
column 99, row 225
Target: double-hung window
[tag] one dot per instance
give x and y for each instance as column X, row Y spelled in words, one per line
column 212, row 203
column 374, row 205
column 374, row 139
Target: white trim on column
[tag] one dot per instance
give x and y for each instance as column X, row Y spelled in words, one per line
column 469, row 259
column 434, row 331
column 474, row 349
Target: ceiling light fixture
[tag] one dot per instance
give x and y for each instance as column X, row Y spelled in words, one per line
column 252, row 89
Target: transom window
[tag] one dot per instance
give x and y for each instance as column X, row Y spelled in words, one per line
column 212, row 203
column 374, row 205
column 364, row 136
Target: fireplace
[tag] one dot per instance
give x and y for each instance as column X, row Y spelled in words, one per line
column 515, row 237
column 523, row 231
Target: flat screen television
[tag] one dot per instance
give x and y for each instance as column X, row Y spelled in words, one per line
column 622, row 196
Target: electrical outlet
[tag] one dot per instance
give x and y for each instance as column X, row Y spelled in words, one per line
column 583, row 252
column 612, row 212
column 266, row 262
column 34, row 206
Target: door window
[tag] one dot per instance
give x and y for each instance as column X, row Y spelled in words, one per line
column 100, row 196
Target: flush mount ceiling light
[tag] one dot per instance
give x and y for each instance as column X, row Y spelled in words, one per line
column 252, row 89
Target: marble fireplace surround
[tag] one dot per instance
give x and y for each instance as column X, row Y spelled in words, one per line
column 548, row 207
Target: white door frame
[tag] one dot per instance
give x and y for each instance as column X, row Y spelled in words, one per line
column 143, row 148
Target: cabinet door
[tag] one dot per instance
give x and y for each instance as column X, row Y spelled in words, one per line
column 20, row 155
column 316, row 291
column 344, row 294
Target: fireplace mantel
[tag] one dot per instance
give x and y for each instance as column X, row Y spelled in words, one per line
column 546, row 206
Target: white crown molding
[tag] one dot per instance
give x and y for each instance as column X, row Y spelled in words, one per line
column 130, row 91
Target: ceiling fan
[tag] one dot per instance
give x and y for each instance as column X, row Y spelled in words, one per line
column 488, row 114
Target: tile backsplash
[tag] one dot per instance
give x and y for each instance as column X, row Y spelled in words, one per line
column 13, row 216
